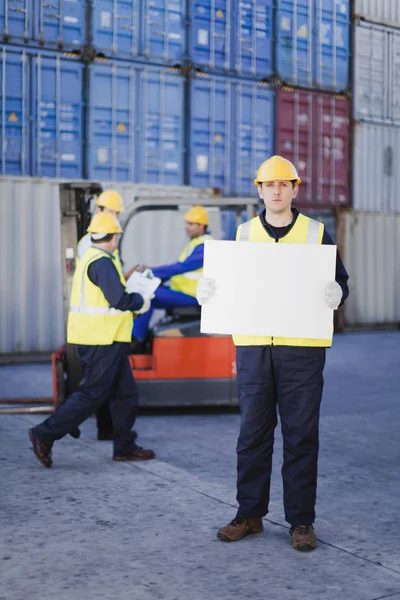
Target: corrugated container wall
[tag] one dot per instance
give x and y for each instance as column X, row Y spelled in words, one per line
column 232, row 36
column 130, row 28
column 377, row 73
column 38, row 22
column 313, row 132
column 313, row 43
column 31, row 291
column 371, row 253
column 231, row 131
column 376, row 159
column 135, row 123
column 41, row 112
column 379, row 11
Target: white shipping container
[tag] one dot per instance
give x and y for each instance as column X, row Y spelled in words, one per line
column 376, row 173
column 371, row 254
column 31, row 291
column 379, row 11
column 377, row 73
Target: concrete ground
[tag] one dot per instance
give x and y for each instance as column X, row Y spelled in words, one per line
column 93, row 529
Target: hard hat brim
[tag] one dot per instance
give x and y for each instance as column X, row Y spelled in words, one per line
column 257, row 183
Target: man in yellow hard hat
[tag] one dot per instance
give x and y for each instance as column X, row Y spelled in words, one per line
column 109, row 201
column 279, row 372
column 100, row 323
column 182, row 275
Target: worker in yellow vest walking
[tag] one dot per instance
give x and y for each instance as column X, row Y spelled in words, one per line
column 182, row 275
column 109, row 201
column 100, row 323
column 283, row 373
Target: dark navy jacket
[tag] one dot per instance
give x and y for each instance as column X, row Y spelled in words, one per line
column 103, row 273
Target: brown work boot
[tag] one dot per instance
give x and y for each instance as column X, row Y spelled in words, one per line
column 41, row 451
column 239, row 527
column 136, row 454
column 303, row 537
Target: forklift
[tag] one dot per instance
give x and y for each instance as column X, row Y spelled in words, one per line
column 180, row 366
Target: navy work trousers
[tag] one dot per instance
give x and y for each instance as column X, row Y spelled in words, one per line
column 290, row 378
column 106, row 375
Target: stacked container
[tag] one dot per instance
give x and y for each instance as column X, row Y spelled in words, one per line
column 370, row 231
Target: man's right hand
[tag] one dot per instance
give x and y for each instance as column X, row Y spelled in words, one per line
column 206, row 289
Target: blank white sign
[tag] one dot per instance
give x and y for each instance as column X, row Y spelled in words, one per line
column 269, row 289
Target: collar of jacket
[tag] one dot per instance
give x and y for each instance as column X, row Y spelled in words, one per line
column 270, row 230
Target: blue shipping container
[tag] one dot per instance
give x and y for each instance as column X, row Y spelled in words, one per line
column 313, row 43
column 232, row 36
column 15, row 114
column 164, row 30
column 57, row 107
column 231, row 132
column 211, row 145
column 115, row 27
column 154, row 29
column 135, row 123
column 254, row 122
column 210, row 32
column 57, row 24
column 253, row 33
column 41, row 108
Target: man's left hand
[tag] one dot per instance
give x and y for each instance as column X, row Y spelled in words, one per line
column 333, row 295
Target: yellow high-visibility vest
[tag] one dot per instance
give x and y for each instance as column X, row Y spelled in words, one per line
column 91, row 320
column 304, row 231
column 187, row 282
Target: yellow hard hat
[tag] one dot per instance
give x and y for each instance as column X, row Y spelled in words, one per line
column 112, row 200
column 197, row 214
column 277, row 168
column 104, row 223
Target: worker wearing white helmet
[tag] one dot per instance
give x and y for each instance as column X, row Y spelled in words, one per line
column 279, row 372
column 100, row 324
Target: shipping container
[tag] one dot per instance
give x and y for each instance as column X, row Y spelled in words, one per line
column 232, row 36
column 313, row 43
column 253, row 37
column 154, row 29
column 57, row 111
column 57, row 24
column 371, row 252
column 41, row 112
column 164, row 30
column 378, row 11
column 31, row 294
column 115, row 27
column 15, row 112
column 377, row 73
column 313, row 132
column 210, row 33
column 231, row 132
column 376, row 176
column 253, row 133
column 135, row 123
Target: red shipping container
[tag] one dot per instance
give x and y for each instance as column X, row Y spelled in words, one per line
column 313, row 132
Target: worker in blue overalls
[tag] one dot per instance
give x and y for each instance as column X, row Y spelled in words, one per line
column 279, row 372
column 100, row 324
column 183, row 275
